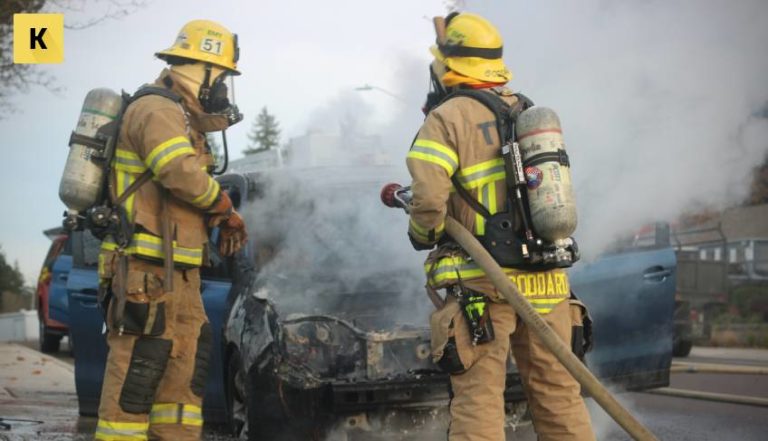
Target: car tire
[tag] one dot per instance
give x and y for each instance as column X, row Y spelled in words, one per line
column 49, row 342
column 682, row 348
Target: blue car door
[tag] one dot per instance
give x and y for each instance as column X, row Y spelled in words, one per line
column 630, row 296
column 87, row 326
column 58, row 303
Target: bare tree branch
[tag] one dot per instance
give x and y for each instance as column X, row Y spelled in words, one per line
column 116, row 10
column 18, row 79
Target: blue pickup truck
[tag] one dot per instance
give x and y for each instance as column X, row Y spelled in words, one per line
column 282, row 352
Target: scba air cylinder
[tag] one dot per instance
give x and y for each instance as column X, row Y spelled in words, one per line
column 81, row 183
column 548, row 174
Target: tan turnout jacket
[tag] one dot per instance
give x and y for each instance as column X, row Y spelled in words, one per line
column 163, row 136
column 460, row 137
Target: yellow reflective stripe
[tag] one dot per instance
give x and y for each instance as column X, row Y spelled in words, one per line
column 128, row 161
column 117, row 431
column 449, row 154
column 422, row 234
column 418, row 230
column 149, row 245
column 164, row 153
column 436, row 153
column 482, row 173
column 544, row 289
column 546, row 301
column 129, row 179
column 482, row 197
column 124, row 180
column 206, row 199
column 492, row 199
column 176, row 413
column 152, row 246
column 102, row 269
column 108, row 244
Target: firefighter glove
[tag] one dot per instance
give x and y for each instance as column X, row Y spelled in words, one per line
column 221, row 210
column 232, row 236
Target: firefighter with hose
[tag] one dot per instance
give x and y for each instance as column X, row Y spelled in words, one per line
column 488, row 158
column 163, row 201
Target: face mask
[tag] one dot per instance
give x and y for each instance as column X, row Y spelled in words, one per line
column 218, row 98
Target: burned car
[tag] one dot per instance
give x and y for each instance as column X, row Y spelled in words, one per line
column 333, row 333
column 328, row 336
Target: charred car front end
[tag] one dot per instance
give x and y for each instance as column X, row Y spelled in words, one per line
column 306, row 375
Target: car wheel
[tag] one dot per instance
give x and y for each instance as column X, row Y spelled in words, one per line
column 682, row 348
column 237, row 408
column 49, row 342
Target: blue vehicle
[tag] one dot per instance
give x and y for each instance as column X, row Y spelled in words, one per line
column 294, row 358
column 51, row 294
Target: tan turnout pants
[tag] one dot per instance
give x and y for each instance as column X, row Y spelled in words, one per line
column 477, row 404
column 157, row 369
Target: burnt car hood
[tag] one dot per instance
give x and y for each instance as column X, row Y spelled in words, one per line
column 321, row 349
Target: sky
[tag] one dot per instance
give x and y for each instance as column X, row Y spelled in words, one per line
column 657, row 98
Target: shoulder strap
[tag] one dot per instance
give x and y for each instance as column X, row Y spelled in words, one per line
column 505, row 116
column 142, row 92
column 477, row 206
column 155, row 90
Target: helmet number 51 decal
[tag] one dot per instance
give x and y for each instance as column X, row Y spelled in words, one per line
column 211, row 45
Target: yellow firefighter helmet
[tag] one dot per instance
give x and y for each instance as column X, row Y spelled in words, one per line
column 472, row 47
column 206, row 41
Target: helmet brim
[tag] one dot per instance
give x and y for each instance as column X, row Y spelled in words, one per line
column 195, row 56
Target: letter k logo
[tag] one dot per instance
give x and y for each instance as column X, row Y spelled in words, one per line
column 38, row 38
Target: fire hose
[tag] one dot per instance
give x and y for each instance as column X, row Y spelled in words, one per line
column 535, row 322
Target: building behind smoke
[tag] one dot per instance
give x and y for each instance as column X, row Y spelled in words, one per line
column 318, row 149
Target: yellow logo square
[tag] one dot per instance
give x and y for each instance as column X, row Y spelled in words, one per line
column 38, row 38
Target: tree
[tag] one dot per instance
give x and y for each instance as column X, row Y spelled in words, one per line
column 19, row 78
column 10, row 276
column 265, row 133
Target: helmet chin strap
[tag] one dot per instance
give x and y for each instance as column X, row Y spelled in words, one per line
column 204, row 95
column 437, row 92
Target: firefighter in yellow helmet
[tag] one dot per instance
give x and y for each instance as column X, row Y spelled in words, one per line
column 457, row 169
column 158, row 335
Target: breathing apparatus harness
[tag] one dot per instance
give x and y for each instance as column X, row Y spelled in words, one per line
column 512, row 245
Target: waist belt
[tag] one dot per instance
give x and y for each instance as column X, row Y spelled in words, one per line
column 149, row 246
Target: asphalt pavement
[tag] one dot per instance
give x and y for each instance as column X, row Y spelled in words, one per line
column 38, row 401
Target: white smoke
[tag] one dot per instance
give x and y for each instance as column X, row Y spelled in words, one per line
column 657, row 100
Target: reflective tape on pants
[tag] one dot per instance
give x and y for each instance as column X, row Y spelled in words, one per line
column 176, row 413
column 121, row 431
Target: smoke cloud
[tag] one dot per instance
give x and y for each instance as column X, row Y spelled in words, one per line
column 658, row 100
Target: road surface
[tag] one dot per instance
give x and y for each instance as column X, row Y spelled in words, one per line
column 38, row 401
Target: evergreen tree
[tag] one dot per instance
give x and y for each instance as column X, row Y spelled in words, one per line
column 10, row 276
column 265, row 133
